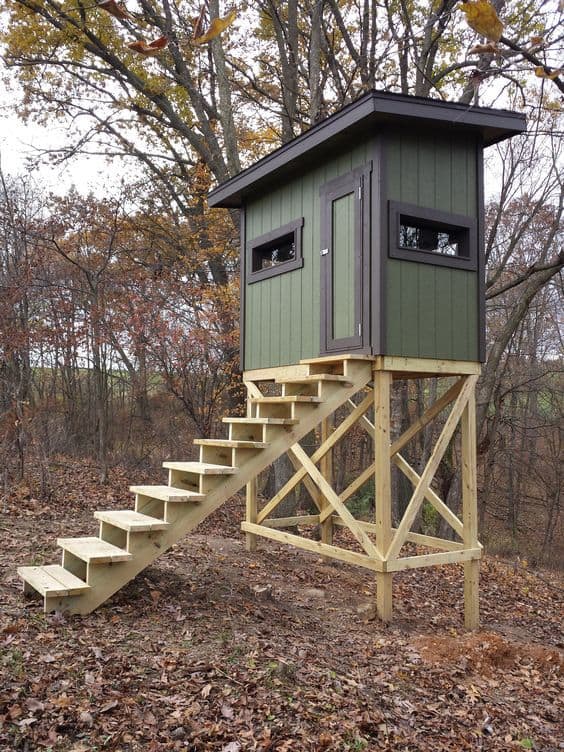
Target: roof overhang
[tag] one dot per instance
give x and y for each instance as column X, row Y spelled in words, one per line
column 373, row 109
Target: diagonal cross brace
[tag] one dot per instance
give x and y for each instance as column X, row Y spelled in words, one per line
column 338, row 434
column 332, row 497
column 431, row 467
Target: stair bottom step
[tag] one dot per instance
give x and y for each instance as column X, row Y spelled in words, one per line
column 52, row 580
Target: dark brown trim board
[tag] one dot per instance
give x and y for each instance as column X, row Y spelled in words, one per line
column 367, row 115
column 293, row 228
column 379, row 250
column 242, row 285
column 481, row 255
column 439, row 220
column 358, row 182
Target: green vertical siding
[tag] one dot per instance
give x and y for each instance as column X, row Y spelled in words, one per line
column 343, row 259
column 431, row 311
column 282, row 313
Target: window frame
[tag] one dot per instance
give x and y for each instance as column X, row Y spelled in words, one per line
column 290, row 228
column 445, row 220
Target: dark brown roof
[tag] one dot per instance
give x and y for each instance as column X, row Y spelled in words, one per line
column 374, row 108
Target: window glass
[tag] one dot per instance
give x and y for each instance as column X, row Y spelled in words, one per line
column 276, row 252
column 422, row 235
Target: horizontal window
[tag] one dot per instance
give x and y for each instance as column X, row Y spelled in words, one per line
column 432, row 237
column 276, row 252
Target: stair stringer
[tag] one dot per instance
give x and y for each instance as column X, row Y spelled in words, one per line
column 146, row 547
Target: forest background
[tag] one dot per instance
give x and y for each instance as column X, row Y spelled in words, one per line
column 119, row 315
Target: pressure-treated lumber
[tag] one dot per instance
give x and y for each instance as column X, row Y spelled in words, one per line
column 93, row 550
column 470, row 514
column 437, row 503
column 316, row 547
column 326, row 467
column 382, row 488
column 286, row 399
column 132, row 522
column 264, row 421
column 426, row 367
column 313, row 378
column 167, row 493
column 52, row 580
column 335, row 436
column 106, row 567
column 334, row 500
column 94, row 568
column 389, row 540
column 427, row 560
column 430, row 541
column 200, row 468
column 431, row 468
column 231, row 444
column 299, row 519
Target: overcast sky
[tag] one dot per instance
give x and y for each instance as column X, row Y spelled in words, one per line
column 22, row 143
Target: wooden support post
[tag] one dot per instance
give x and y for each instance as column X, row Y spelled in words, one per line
column 470, row 514
column 326, row 467
column 251, row 514
column 251, row 504
column 382, row 488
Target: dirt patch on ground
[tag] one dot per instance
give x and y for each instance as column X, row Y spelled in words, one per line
column 486, row 652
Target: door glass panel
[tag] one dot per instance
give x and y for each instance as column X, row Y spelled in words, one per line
column 343, row 259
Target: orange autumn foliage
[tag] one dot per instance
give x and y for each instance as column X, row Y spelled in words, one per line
column 217, row 26
column 481, row 16
column 118, row 10
column 149, row 49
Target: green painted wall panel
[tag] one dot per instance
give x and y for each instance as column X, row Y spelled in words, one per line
column 443, row 314
column 409, row 314
column 426, row 321
column 343, row 258
column 431, row 311
column 282, row 314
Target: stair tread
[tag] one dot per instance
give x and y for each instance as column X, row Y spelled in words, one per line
column 289, row 399
column 167, row 493
column 201, row 468
column 53, row 580
column 231, row 443
column 264, row 421
column 127, row 519
column 312, row 378
column 94, row 550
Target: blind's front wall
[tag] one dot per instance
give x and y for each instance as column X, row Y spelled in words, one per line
column 429, row 311
column 432, row 311
column 282, row 314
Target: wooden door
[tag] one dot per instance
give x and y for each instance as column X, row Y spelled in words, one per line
column 345, row 218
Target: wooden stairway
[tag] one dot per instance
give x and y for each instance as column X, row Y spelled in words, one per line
column 93, row 569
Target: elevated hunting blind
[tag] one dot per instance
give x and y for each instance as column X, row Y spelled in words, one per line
column 361, row 263
column 363, row 235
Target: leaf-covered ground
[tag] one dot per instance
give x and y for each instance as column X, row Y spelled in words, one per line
column 213, row 648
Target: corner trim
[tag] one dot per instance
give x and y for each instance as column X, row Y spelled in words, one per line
column 242, row 285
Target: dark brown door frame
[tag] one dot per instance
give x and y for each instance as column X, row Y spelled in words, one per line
column 358, row 182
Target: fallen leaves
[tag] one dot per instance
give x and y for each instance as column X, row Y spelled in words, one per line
column 211, row 665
